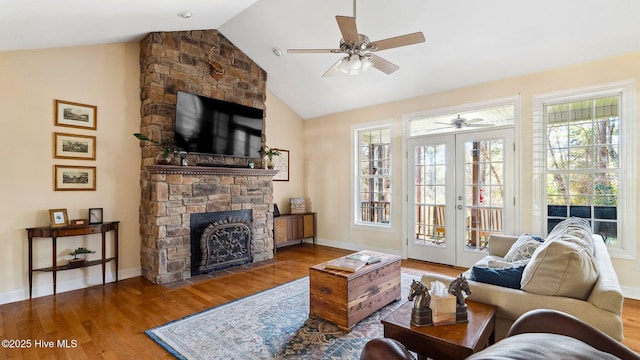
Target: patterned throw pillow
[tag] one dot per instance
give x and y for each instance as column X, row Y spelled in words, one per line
column 523, row 248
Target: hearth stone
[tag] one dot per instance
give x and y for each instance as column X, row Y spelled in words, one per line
column 220, row 240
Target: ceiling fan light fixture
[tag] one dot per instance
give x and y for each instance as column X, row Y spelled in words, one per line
column 354, row 64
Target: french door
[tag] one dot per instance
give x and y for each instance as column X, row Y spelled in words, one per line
column 460, row 192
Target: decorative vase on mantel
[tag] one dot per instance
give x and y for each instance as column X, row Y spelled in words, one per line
column 269, row 154
column 161, row 159
column 270, row 162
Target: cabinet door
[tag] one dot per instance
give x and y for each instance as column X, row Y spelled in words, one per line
column 297, row 228
column 309, row 229
column 280, row 229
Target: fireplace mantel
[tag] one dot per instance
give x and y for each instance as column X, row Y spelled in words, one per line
column 206, row 170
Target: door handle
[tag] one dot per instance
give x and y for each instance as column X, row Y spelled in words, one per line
column 459, row 207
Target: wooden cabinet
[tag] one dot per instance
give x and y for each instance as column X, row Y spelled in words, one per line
column 55, row 233
column 294, row 227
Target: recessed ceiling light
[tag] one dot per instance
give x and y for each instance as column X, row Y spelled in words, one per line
column 277, row 51
column 185, row 14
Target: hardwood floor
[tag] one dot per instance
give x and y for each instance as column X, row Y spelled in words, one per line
column 109, row 322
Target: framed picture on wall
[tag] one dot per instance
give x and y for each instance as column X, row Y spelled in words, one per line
column 76, row 115
column 67, row 177
column 282, row 165
column 71, row 146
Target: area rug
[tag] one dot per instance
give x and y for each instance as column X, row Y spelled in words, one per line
column 273, row 324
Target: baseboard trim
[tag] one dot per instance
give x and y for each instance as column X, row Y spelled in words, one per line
column 631, row 292
column 68, row 285
column 353, row 247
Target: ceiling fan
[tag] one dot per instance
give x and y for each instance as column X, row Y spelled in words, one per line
column 359, row 49
column 461, row 122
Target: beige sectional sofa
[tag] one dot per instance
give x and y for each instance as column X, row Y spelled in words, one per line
column 598, row 303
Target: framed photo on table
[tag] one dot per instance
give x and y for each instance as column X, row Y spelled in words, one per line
column 76, row 115
column 58, row 217
column 95, row 216
column 282, row 165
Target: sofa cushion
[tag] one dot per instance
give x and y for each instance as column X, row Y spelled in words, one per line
column 508, row 277
column 560, row 268
column 523, row 248
column 576, row 230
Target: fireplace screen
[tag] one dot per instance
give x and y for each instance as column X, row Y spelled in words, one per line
column 220, row 240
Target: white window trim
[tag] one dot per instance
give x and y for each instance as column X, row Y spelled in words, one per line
column 628, row 172
column 355, row 195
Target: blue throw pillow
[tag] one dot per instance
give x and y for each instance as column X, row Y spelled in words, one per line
column 507, row 277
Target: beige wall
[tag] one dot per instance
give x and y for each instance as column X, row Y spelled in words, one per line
column 284, row 131
column 106, row 76
column 328, row 152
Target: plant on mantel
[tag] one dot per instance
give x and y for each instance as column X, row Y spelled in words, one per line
column 269, row 153
column 168, row 146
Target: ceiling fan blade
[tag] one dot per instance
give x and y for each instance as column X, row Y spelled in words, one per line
column 403, row 40
column 472, row 121
column 348, row 29
column 382, row 64
column 312, row 51
column 333, row 69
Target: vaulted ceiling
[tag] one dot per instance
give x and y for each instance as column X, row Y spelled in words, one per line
column 467, row 42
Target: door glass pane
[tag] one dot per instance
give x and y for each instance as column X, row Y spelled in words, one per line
column 430, row 186
column 484, row 192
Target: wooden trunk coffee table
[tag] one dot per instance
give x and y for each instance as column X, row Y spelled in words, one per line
column 344, row 297
column 457, row 341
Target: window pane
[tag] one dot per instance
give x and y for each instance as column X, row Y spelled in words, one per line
column 374, row 169
column 557, row 211
column 605, row 212
column 580, row 211
column 583, row 138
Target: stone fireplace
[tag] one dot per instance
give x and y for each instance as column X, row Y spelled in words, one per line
column 173, row 193
column 203, row 63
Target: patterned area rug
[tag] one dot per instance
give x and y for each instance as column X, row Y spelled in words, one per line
column 273, row 324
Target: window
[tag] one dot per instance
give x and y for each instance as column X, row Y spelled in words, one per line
column 585, row 164
column 373, row 175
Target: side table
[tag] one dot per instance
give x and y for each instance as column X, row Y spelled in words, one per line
column 55, row 233
column 456, row 341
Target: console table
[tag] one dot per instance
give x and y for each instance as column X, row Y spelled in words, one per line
column 55, row 233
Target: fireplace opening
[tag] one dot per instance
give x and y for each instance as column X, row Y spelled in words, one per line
column 220, row 240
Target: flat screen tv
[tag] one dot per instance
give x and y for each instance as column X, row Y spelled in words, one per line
column 209, row 126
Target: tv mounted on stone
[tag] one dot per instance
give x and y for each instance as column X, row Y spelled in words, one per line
column 214, row 127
